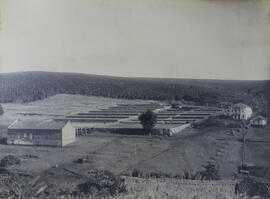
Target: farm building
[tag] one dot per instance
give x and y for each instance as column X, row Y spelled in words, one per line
column 41, row 133
column 258, row 121
column 239, row 111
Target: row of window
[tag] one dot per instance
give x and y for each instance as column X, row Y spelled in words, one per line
column 36, row 136
column 236, row 111
column 238, row 116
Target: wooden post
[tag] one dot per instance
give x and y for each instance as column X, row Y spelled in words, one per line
column 243, row 147
column 268, row 121
column 243, row 150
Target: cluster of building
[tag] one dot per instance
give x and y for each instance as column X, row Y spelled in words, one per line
column 242, row 111
column 122, row 118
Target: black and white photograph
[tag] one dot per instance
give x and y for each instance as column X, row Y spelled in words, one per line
column 134, row 99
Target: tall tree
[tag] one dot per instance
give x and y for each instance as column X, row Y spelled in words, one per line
column 148, row 120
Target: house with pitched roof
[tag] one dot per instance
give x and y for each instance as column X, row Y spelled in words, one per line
column 258, row 121
column 239, row 111
column 41, row 133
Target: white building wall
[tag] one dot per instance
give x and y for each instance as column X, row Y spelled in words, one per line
column 68, row 134
column 263, row 122
column 259, row 122
column 247, row 113
column 240, row 113
column 35, row 137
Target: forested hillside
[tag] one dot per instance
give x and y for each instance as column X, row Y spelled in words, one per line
column 30, row 86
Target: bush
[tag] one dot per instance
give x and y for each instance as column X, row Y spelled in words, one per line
column 253, row 187
column 102, row 183
column 211, row 172
column 136, row 173
column 80, row 160
column 9, row 160
column 1, row 110
column 188, row 176
column 160, row 175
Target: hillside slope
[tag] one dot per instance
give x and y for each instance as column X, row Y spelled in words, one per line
column 31, row 86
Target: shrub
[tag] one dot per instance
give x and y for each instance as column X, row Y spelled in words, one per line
column 160, row 175
column 136, row 173
column 253, row 187
column 1, row 110
column 102, row 183
column 9, row 160
column 211, row 172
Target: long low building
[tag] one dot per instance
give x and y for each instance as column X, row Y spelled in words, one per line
column 136, row 128
column 41, row 133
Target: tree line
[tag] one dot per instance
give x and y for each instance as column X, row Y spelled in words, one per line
column 31, row 86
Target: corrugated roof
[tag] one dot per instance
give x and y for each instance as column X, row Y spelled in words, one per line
column 37, row 124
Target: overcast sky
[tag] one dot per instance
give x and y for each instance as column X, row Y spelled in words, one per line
column 220, row 39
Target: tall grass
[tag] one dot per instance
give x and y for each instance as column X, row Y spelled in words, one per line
column 174, row 188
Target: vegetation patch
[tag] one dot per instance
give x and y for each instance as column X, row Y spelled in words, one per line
column 102, row 183
column 210, row 172
column 30, row 156
column 1, row 110
column 9, row 161
column 253, row 187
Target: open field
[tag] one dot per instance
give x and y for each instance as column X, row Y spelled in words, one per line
column 122, row 154
column 257, row 150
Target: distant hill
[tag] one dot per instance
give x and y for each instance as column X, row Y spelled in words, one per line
column 30, row 86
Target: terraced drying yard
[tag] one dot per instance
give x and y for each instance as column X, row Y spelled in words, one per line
column 123, row 118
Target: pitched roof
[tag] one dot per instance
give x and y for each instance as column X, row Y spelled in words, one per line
column 240, row 105
column 259, row 118
column 38, row 124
